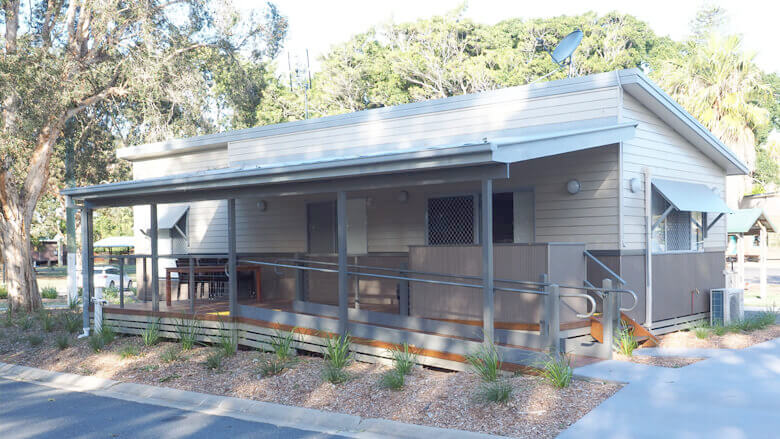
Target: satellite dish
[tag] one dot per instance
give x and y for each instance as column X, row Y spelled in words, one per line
column 565, row 49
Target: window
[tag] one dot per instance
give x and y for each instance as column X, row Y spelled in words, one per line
column 503, row 218
column 451, row 220
column 678, row 230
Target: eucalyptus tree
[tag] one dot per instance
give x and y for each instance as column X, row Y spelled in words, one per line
column 143, row 60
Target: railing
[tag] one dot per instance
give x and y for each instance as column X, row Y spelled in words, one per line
column 590, row 256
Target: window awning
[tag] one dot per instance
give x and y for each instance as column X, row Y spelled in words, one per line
column 747, row 221
column 169, row 215
column 690, row 197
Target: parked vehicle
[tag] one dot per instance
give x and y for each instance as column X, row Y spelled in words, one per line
column 107, row 276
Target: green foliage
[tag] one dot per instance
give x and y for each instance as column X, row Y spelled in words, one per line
column 35, row 340
column 281, row 344
column 96, row 342
column 557, row 370
column 63, row 341
column 187, row 331
column 625, row 342
column 108, row 333
column 3, row 292
column 71, row 322
column 128, row 351
column 214, row 360
column 171, row 354
column 49, row 293
column 392, row 379
column 499, row 391
column 47, row 321
column 25, row 322
column 337, row 351
column 701, row 329
column 111, row 294
column 404, row 358
column 228, row 342
column 334, row 375
column 271, row 366
column 151, row 334
column 486, row 361
column 718, row 330
column 74, row 305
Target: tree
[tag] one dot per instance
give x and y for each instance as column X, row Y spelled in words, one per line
column 138, row 63
column 718, row 83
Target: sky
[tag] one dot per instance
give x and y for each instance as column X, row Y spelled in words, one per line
column 316, row 25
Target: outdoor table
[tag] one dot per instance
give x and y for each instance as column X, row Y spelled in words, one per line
column 255, row 269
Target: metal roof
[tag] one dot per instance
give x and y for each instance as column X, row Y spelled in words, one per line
column 170, row 214
column 690, row 197
column 746, row 221
column 116, row 241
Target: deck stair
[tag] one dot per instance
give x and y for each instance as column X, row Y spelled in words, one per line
column 643, row 336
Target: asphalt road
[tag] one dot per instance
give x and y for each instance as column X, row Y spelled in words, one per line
column 35, row 411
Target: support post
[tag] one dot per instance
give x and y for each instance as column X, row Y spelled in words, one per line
column 741, row 260
column 86, row 265
column 144, row 278
column 232, row 272
column 553, row 311
column 191, row 289
column 648, row 250
column 762, row 236
column 72, row 250
column 488, row 293
column 121, row 282
column 545, row 320
column 609, row 316
column 155, row 271
column 300, row 283
column 403, row 291
column 341, row 215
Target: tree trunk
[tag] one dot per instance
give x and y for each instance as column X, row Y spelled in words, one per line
column 20, row 275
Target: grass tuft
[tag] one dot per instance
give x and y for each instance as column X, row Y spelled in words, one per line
column 271, row 366
column 71, row 322
column 128, row 351
column 228, row 341
column 214, row 360
column 96, row 342
column 171, row 355
column 47, row 321
column 49, row 293
column 63, row 341
column 486, row 362
column 392, row 379
column 187, row 331
column 334, row 375
column 499, row 391
column 557, row 370
column 337, row 351
column 625, row 342
column 151, row 334
column 404, row 358
column 281, row 344
column 35, row 340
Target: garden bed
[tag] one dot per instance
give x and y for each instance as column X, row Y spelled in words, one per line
column 536, row 409
column 671, row 362
column 719, row 338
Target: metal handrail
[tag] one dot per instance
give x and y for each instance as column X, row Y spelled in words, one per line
column 607, row 269
column 585, row 296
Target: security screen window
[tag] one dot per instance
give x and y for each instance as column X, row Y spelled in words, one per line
column 677, row 232
column 451, row 220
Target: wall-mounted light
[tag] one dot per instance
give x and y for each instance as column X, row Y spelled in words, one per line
column 262, row 205
column 573, row 186
column 403, row 196
column 635, row 185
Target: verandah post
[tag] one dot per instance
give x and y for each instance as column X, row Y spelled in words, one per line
column 608, row 319
column 232, row 271
column 191, row 289
column 403, row 291
column 488, row 293
column 86, row 264
column 155, row 273
column 553, row 312
column 121, row 281
column 341, row 216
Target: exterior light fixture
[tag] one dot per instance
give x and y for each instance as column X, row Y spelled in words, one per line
column 262, row 205
column 403, row 196
column 635, row 185
column 573, row 186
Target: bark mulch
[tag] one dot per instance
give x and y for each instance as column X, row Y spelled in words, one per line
column 429, row 397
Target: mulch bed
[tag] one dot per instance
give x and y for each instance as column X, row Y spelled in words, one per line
column 429, row 397
column 733, row 340
column 671, row 362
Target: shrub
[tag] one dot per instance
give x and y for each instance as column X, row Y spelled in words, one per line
column 271, row 366
column 96, row 342
column 3, row 292
column 151, row 334
column 557, row 370
column 108, row 333
column 47, row 321
column 700, row 329
column 486, row 362
column 281, row 344
column 625, row 342
column 74, row 305
column 499, row 391
column 187, row 331
column 403, row 358
column 719, row 330
column 71, row 322
column 228, row 341
column 337, row 351
column 111, row 294
column 214, row 360
column 171, row 355
column 334, row 375
column 392, row 379
column 25, row 322
column 63, row 341
column 35, row 340
column 49, row 293
column 128, row 351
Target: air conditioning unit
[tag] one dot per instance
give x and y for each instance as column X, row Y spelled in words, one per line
column 726, row 306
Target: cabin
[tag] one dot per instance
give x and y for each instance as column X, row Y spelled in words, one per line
column 535, row 217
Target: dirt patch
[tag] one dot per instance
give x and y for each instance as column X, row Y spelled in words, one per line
column 729, row 340
column 672, row 362
column 429, row 397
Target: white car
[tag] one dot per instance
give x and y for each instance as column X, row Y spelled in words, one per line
column 107, row 276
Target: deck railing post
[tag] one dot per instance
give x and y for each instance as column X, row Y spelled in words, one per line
column 155, row 261
column 554, row 319
column 544, row 319
column 341, row 215
column 191, row 289
column 403, row 291
column 609, row 317
column 300, row 283
column 488, row 293
column 232, row 272
column 144, row 278
column 121, row 282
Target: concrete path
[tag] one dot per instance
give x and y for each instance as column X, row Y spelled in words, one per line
column 733, row 395
column 35, row 411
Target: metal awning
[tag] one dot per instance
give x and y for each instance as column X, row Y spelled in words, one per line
column 748, row 220
column 169, row 215
column 690, row 197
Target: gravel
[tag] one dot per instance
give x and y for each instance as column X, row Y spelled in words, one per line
column 734, row 340
column 429, row 397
